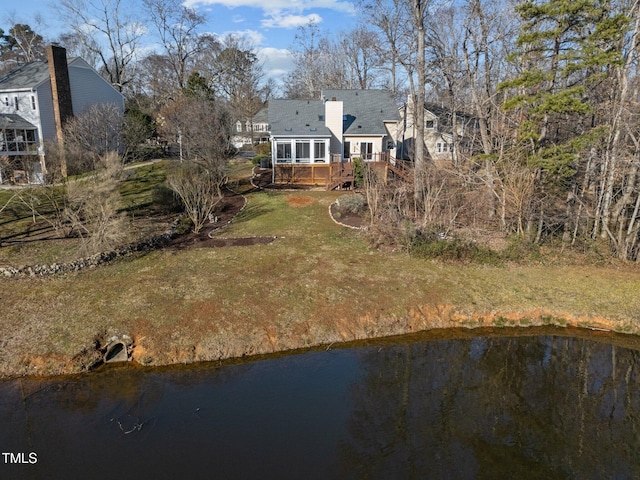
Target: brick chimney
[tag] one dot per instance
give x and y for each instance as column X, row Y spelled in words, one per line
column 61, row 96
column 60, row 87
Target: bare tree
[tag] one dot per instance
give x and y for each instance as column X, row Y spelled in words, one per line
column 177, row 27
column 359, row 50
column 238, row 78
column 198, row 189
column 93, row 207
column 109, row 32
column 309, row 52
column 90, row 136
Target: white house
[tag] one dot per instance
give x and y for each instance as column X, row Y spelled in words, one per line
column 341, row 125
column 37, row 98
column 250, row 131
column 446, row 135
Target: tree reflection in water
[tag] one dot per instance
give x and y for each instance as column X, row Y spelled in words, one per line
column 536, row 407
column 488, row 407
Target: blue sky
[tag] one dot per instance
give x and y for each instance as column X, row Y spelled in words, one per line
column 270, row 25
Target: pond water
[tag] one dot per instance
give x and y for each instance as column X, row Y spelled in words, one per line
column 544, row 406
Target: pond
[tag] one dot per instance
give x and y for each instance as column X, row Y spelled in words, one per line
column 518, row 406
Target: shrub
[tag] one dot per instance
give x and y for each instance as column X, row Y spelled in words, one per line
column 358, row 172
column 165, row 199
column 263, row 149
column 436, row 246
column 519, row 249
column 355, row 204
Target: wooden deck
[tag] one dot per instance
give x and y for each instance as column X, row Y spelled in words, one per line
column 336, row 174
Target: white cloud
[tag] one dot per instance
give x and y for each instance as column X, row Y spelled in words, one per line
column 277, row 62
column 252, row 37
column 271, row 6
column 237, row 19
column 290, row 21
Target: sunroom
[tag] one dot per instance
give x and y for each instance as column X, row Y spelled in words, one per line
column 301, row 150
column 17, row 136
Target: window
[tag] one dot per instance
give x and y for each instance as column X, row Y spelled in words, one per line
column 439, row 147
column 6, row 101
column 319, row 149
column 238, row 126
column 33, row 102
column 303, row 151
column 429, row 124
column 17, row 140
column 283, row 152
column 366, row 150
column 15, row 99
column 390, row 145
column 347, row 150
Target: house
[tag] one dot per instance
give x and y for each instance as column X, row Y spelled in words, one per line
column 35, row 101
column 446, row 135
column 253, row 130
column 312, row 139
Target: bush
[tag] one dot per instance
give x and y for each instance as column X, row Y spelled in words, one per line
column 165, row 199
column 519, row 249
column 185, row 225
column 355, row 204
column 358, row 172
column 436, row 246
column 263, row 149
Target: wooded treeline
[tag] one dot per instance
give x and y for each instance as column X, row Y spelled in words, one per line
column 552, row 88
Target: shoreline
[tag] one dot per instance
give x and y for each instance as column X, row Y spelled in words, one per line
column 447, row 324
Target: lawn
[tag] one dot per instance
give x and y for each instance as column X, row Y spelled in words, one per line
column 316, row 284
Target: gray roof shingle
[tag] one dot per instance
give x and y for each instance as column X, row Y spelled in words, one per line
column 13, row 121
column 26, row 76
column 365, row 112
column 297, row 118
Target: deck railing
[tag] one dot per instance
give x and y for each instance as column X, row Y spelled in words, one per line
column 338, row 173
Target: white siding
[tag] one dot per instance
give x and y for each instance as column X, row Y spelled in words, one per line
column 24, row 109
column 333, row 113
column 357, row 141
column 47, row 123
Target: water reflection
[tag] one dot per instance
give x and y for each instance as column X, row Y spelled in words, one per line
column 491, row 407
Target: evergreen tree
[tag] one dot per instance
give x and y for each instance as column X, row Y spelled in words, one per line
column 565, row 51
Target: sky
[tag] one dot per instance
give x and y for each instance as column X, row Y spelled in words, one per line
column 270, row 25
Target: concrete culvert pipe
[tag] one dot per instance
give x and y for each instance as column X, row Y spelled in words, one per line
column 116, row 352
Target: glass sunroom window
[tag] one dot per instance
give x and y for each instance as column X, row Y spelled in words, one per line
column 319, row 151
column 283, row 152
column 303, row 151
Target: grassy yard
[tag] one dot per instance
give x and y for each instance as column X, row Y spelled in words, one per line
column 316, row 284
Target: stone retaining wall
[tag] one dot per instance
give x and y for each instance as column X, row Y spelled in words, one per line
column 93, row 261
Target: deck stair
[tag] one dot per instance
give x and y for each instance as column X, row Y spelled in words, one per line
column 400, row 168
column 341, row 176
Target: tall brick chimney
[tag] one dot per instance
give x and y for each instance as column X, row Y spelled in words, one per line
column 61, row 92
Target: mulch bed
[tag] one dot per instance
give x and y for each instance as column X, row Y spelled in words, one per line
column 346, row 218
column 233, row 203
column 226, row 210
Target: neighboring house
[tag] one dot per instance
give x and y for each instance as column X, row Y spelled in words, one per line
column 35, row 101
column 319, row 135
column 446, row 136
column 250, row 131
